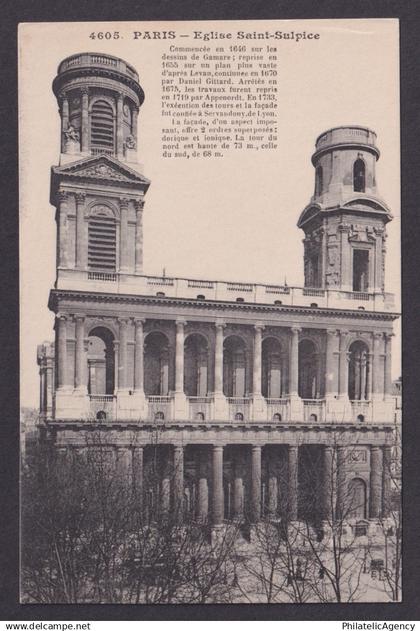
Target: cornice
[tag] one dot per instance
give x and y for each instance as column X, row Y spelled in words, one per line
column 57, row 295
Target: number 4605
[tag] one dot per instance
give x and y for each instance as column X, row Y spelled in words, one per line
column 105, row 35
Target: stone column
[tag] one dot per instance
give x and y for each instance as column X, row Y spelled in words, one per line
column 165, row 496
column 138, row 477
column 294, row 362
column 120, row 139
column 344, row 366
column 376, row 473
column 217, row 500
column 81, row 382
column 139, row 205
column 62, row 351
column 42, row 397
column 178, row 482
column 49, row 387
column 218, row 359
column 122, row 359
column 256, row 484
column 257, row 360
column 179, row 356
column 85, row 121
column 328, row 478
column 331, row 378
column 116, row 347
column 388, row 364
column 203, row 499
column 80, row 231
column 139, row 357
column 124, row 234
column 345, row 251
column 238, row 497
column 272, row 494
column 62, row 229
column 64, row 119
column 203, row 490
column 180, row 400
column 386, row 482
column 341, row 483
column 377, row 373
column 124, row 463
column 134, row 114
column 292, row 475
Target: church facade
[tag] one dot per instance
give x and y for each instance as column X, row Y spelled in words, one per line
column 231, row 387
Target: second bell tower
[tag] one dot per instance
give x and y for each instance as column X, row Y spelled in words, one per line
column 344, row 223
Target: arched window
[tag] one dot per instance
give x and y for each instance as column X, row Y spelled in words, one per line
column 100, row 358
column 196, row 366
column 318, row 181
column 102, row 240
column 156, row 364
column 272, row 369
column 359, row 176
column 308, row 370
column 102, row 126
column 357, row 499
column 358, row 372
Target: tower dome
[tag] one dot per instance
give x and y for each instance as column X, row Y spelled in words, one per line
column 99, row 97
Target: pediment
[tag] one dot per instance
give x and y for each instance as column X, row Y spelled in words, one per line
column 103, row 169
column 311, row 211
column 367, row 204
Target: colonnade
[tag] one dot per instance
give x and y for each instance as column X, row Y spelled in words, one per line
column 337, row 356
column 210, row 501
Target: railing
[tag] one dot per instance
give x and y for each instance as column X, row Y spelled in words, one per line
column 159, row 280
column 277, row 289
column 314, row 410
column 108, row 276
column 277, row 409
column 160, row 407
column 239, row 287
column 97, row 151
column 239, row 408
column 311, row 291
column 200, row 408
column 358, row 295
column 93, row 59
column 186, row 288
column 201, row 284
column 102, row 403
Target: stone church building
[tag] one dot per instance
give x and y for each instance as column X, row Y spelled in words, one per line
column 231, row 387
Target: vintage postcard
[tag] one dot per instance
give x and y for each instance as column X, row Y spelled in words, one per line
column 210, row 340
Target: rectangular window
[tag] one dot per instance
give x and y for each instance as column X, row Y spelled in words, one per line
column 360, row 270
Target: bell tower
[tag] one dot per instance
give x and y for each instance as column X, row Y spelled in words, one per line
column 97, row 188
column 345, row 221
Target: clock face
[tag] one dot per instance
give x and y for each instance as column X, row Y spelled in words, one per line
column 126, row 111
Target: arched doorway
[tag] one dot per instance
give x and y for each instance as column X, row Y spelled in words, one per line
column 100, row 358
column 196, row 366
column 358, row 372
column 156, row 364
column 234, row 367
column 357, row 499
column 308, row 370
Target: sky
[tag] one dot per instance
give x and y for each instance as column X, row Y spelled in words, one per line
column 232, row 218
